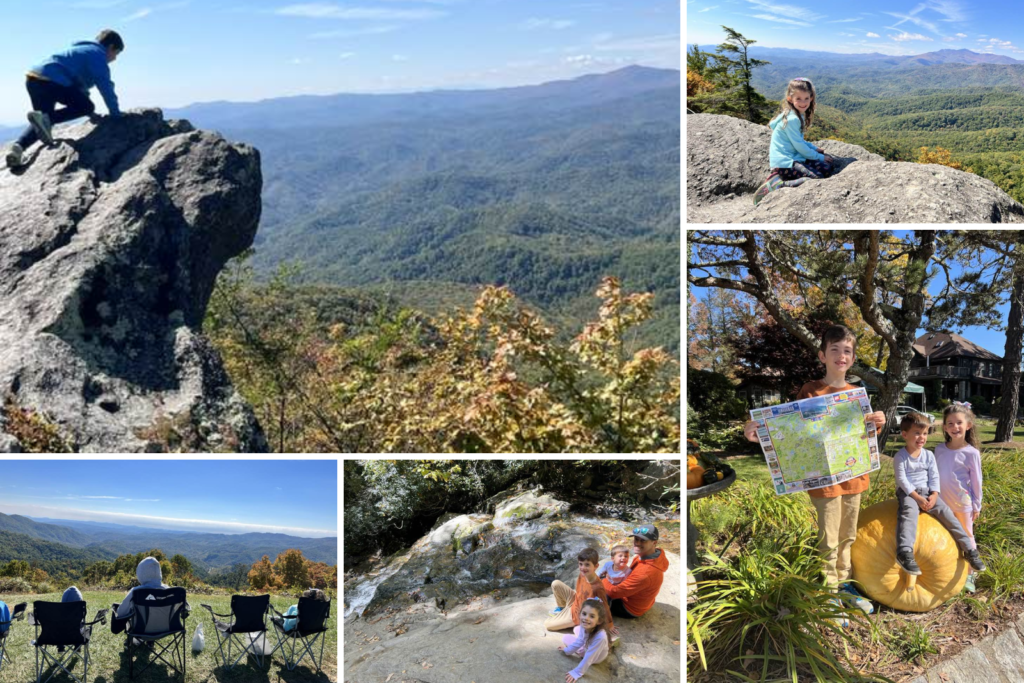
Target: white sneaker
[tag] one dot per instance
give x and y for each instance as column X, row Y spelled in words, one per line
column 42, row 125
column 15, row 156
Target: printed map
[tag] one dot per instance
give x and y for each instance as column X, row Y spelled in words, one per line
column 818, row 441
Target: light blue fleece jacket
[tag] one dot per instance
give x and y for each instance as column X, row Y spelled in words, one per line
column 788, row 144
column 82, row 66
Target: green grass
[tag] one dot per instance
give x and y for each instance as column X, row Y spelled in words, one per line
column 108, row 662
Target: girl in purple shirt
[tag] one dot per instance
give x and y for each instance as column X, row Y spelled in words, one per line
column 959, row 463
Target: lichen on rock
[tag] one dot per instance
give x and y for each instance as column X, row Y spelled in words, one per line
column 110, row 245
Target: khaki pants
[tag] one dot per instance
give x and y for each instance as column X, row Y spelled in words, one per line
column 563, row 598
column 837, row 530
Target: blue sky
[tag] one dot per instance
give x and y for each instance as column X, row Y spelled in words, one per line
column 179, row 51
column 295, row 497
column 895, row 27
column 993, row 340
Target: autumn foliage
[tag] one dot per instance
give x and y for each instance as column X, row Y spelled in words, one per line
column 940, row 155
column 494, row 378
column 292, row 570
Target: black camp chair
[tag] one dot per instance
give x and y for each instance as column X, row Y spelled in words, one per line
column 62, row 626
column 16, row 615
column 311, row 625
column 249, row 622
column 156, row 613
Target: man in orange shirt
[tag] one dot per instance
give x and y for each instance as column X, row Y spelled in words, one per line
column 636, row 593
column 569, row 602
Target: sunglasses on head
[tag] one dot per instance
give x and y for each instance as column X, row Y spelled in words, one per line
column 640, row 530
column 801, row 78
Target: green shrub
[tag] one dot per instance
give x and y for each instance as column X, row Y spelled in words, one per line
column 767, row 614
column 980, row 405
column 14, row 584
column 713, row 396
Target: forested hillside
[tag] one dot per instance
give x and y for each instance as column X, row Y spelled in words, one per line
column 544, row 189
column 52, row 558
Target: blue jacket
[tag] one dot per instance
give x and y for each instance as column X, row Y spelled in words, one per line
column 5, row 615
column 788, row 144
column 82, row 66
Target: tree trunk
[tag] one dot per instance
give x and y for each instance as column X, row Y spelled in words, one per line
column 1010, row 399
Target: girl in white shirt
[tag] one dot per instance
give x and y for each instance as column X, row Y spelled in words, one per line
column 590, row 639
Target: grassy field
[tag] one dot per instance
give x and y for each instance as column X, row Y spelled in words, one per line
column 109, row 663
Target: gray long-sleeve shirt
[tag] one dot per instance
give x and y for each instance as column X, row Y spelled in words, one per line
column 921, row 472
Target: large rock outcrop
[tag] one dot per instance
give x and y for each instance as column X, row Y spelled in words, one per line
column 727, row 159
column 110, row 243
column 468, row 602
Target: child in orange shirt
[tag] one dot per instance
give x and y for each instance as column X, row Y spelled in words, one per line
column 569, row 602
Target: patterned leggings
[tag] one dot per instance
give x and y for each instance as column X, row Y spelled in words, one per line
column 808, row 169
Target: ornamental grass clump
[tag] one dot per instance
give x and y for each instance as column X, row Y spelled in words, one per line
column 766, row 614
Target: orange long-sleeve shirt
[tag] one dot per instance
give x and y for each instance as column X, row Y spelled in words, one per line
column 585, row 589
column 639, row 590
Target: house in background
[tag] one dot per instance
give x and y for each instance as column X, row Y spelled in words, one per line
column 962, row 368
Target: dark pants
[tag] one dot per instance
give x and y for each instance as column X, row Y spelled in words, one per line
column 906, row 521
column 45, row 96
column 806, row 169
column 619, row 610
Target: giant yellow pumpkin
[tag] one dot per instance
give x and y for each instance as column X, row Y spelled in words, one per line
column 943, row 569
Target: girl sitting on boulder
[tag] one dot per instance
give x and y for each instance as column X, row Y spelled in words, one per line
column 590, row 639
column 959, row 463
column 792, row 159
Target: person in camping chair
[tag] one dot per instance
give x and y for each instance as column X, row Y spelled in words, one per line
column 149, row 576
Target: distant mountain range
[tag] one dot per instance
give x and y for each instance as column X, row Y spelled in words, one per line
column 542, row 188
column 876, row 58
column 207, row 551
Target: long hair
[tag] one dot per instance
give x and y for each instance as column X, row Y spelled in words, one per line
column 972, row 434
column 604, row 618
column 803, row 85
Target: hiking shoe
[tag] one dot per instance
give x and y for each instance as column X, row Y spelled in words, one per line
column 974, row 559
column 905, row 559
column 15, row 156
column 969, row 586
column 840, row 621
column 41, row 123
column 773, row 183
column 556, row 611
column 849, row 593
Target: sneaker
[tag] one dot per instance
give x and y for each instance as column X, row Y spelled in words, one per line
column 905, row 559
column 969, row 586
column 42, row 125
column 556, row 611
column 15, row 156
column 615, row 641
column 974, row 559
column 849, row 593
column 841, row 621
column 773, row 183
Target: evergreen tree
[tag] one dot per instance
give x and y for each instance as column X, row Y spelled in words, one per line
column 741, row 66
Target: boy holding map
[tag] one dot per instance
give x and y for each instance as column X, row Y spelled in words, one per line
column 917, row 490
column 837, row 506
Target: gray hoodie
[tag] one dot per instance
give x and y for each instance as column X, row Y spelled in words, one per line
column 148, row 574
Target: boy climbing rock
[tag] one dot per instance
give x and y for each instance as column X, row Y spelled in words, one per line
column 66, row 78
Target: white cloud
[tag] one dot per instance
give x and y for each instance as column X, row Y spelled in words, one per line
column 781, row 20
column 553, row 24
column 352, row 33
column 903, row 18
column 787, row 11
column 707, row 9
column 948, row 39
column 848, row 35
column 640, row 44
column 329, row 11
column 961, row 35
column 141, row 14
column 844, row 21
column 950, row 9
column 873, row 35
column 909, row 36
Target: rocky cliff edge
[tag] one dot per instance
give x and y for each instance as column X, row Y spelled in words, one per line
column 727, row 159
column 110, row 243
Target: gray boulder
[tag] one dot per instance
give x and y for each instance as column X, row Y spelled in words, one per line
column 110, row 243
column 529, row 505
column 727, row 160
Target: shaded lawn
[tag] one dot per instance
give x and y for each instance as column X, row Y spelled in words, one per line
column 108, row 660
